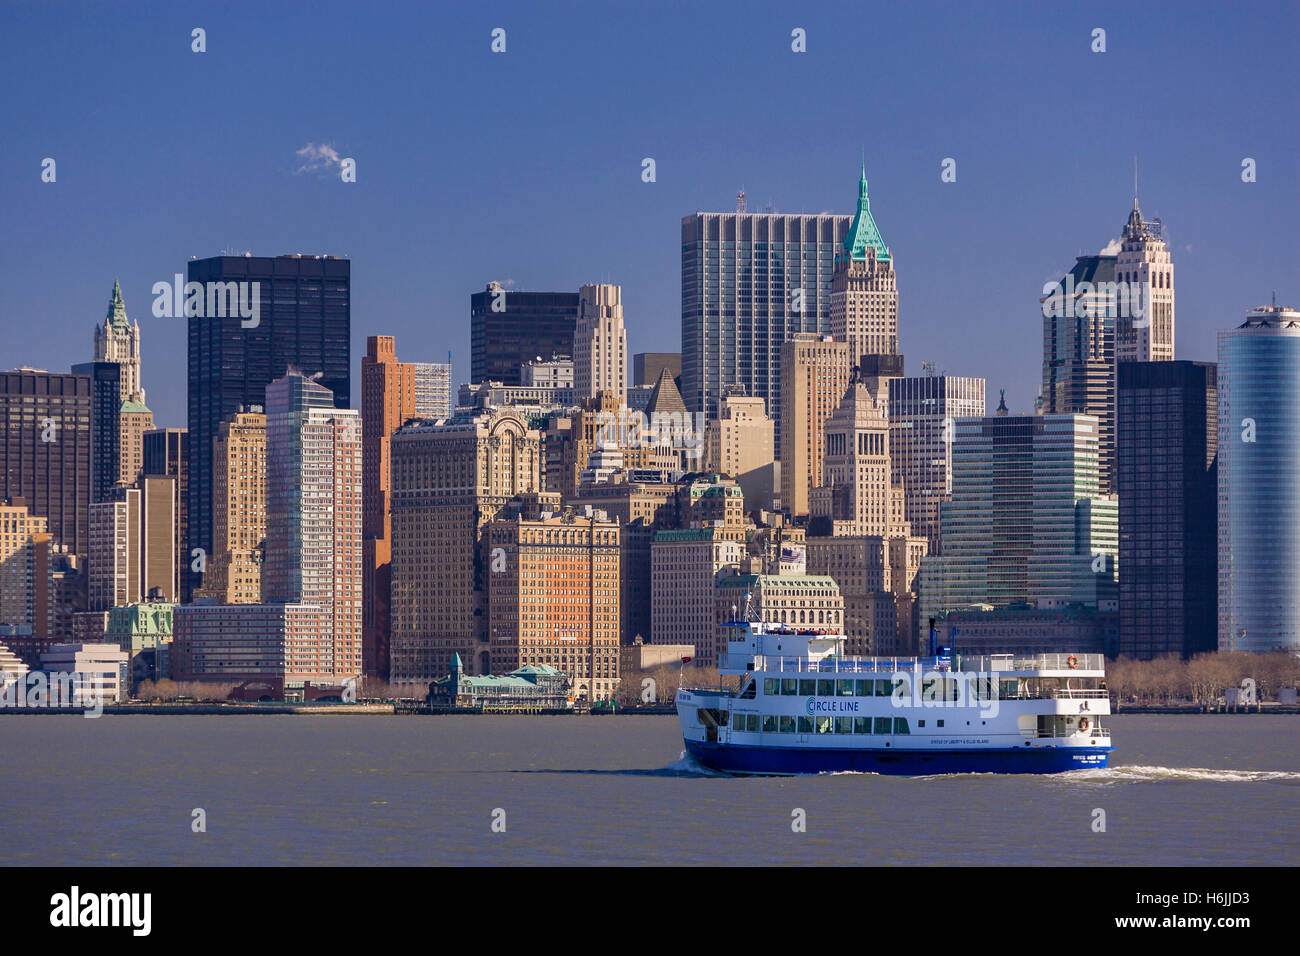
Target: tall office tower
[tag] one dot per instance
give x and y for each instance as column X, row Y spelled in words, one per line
column 685, row 564
column 303, row 319
column 313, row 514
column 857, row 494
column 158, row 538
column 449, row 480
column 1026, row 523
column 553, row 599
column 864, row 289
column 741, row 442
column 646, row 366
column 1079, row 351
column 105, row 426
column 1166, row 442
column 165, row 454
column 118, row 341
column 508, row 328
column 815, row 374
column 1144, row 262
column 45, row 452
column 921, row 415
column 24, row 546
column 1259, row 482
column 750, row 282
column 114, row 572
column 389, row 396
column 600, row 343
column 234, row 574
column 432, row 389
column 135, row 420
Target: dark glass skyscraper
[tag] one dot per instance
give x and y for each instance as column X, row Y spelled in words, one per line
column 1166, row 446
column 304, row 321
column 105, row 426
column 507, row 328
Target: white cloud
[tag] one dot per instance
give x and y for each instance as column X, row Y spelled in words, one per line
column 1111, row 248
column 315, row 157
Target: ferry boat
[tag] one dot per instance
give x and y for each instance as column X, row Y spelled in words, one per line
column 804, row 707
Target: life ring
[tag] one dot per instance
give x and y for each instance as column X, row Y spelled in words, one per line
column 1083, row 724
column 1072, row 662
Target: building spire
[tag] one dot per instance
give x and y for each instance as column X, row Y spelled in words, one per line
column 116, row 314
column 863, row 231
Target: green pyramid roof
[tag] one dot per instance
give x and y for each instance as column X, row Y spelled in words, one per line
column 863, row 231
column 130, row 406
column 116, row 315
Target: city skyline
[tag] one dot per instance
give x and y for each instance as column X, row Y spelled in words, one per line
column 1229, row 239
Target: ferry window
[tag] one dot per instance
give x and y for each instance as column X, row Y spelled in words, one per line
column 920, row 723
column 900, row 725
column 845, row 688
column 883, row 688
column 863, row 687
column 844, row 725
column 737, row 721
column 750, row 689
column 752, row 721
column 823, row 725
column 805, row 725
column 939, row 723
column 769, row 723
column 771, row 685
column 928, row 690
column 787, row 725
column 825, row 688
column 807, row 687
column 949, row 688
column 902, row 687
column 1008, row 688
column 862, row 725
column 789, row 686
column 882, row 725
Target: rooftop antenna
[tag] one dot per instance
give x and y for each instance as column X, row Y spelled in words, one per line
column 740, row 200
column 1135, row 180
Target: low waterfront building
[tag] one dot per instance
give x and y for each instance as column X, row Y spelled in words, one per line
column 144, row 631
column 285, row 645
column 532, row 687
column 99, row 671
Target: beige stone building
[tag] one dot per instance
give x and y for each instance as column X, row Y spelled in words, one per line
column 685, row 566
column 449, row 480
column 876, row 576
column 741, row 443
column 234, row 573
column 553, row 588
column 858, row 494
column 600, row 343
column 814, row 375
column 864, row 289
column 135, row 419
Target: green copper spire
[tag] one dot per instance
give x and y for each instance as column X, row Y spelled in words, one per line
column 863, row 231
column 117, row 309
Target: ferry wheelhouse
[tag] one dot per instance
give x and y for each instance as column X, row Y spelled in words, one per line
column 804, row 707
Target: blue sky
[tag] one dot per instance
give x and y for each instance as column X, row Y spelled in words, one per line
column 526, row 166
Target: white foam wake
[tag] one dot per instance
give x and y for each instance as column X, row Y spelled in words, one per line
column 1145, row 774
column 688, row 766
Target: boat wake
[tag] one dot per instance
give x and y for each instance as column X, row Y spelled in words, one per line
column 1144, row 774
column 688, row 766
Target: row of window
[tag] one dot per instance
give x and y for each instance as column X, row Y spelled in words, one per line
column 937, row 688
column 773, row 724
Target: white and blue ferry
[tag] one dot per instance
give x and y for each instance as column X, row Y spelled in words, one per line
column 804, row 707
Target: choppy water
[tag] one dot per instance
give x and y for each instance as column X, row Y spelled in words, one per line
column 1188, row 789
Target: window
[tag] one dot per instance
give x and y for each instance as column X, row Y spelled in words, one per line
column 751, row 721
column 900, row 725
column 789, row 686
column 862, row 725
column 882, row 725
column 771, row 686
column 807, row 687
column 823, row 725
column 825, row 687
column 883, row 688
column 938, row 723
column 769, row 723
column 787, row 725
column 844, row 725
column 737, row 721
column 805, row 725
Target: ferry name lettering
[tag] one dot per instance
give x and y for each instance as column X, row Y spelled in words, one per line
column 834, row 705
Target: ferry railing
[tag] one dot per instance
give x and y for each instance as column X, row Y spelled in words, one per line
column 992, row 664
column 1068, row 693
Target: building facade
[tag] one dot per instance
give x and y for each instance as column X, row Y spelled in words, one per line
column 864, row 289
column 165, row 454
column 507, row 328
column 1259, row 482
column 741, row 442
column 815, row 371
column 685, row 566
column 1144, row 262
column 807, row 601
column 600, row 343
column 234, row 572
column 432, row 389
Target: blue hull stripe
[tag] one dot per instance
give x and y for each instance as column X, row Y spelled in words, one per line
column 731, row 758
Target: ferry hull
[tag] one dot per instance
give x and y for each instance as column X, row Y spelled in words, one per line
column 778, row 761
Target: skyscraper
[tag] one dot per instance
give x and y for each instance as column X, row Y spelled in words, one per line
column 389, row 391
column 449, row 480
column 857, row 494
column 432, row 389
column 1166, row 444
column 105, row 426
column 1144, row 262
column 1079, row 315
column 741, row 442
column 1259, row 482
column 507, row 328
column 750, row 282
column 815, row 372
column 600, row 343
column 921, row 415
column 1026, row 523
column 165, row 453
column 303, row 320
column 45, row 453
column 118, row 341
column 234, row 574
column 313, row 513
column 864, row 289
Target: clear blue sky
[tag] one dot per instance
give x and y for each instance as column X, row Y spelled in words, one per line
column 526, row 166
